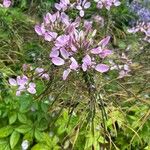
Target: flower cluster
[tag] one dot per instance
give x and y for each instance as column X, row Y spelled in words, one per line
column 73, row 43
column 25, row 83
column 79, row 5
column 124, row 67
column 107, row 3
column 6, row 3
column 143, row 27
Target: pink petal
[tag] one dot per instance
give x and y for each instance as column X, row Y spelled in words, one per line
column 65, row 18
column 84, row 66
column 102, row 68
column 87, row 60
column 105, row 53
column 74, row 64
column 12, row 82
column 87, row 5
column 39, row 29
column 18, row 93
column 31, row 90
column 81, row 13
column 96, row 50
column 53, row 34
column 32, row 85
column 64, row 53
column 54, row 53
column 104, row 41
column 39, row 70
column 58, row 61
column 47, row 37
column 58, row 6
column 66, row 73
column 117, row 3
column 45, row 76
column 79, row 7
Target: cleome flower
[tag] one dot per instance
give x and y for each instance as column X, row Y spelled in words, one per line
column 6, row 3
column 23, row 84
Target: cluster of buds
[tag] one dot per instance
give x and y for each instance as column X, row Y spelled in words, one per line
column 6, row 3
column 74, row 43
column 25, row 83
column 143, row 27
column 107, row 3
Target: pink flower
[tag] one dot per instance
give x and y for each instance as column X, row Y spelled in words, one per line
column 22, row 82
column 6, row 3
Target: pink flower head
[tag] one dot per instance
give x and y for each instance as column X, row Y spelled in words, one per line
column 6, row 3
column 22, row 82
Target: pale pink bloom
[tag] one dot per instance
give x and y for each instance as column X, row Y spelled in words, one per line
column 6, row 3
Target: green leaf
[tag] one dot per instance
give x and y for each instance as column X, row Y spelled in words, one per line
column 12, row 118
column 22, row 118
column 42, row 124
column 23, row 129
column 14, row 138
column 4, row 145
column 38, row 135
column 29, row 136
column 40, row 146
column 6, row 131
